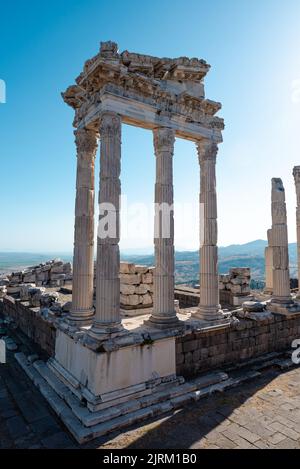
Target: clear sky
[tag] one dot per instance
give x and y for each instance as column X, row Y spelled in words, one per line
column 253, row 48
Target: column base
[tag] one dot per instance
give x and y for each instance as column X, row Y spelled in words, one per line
column 160, row 322
column 287, row 309
column 209, row 313
column 101, row 331
column 283, row 301
column 81, row 318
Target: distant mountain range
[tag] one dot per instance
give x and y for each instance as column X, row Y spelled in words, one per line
column 186, row 262
column 236, row 255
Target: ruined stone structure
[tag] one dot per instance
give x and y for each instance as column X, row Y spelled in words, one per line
column 235, row 286
column 136, row 286
column 166, row 96
column 96, row 355
column 106, row 372
column 54, row 273
column 281, row 299
column 296, row 174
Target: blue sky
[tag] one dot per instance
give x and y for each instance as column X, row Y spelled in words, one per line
column 253, row 48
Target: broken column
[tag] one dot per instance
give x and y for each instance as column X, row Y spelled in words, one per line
column 296, row 174
column 279, row 241
column 269, row 265
column 83, row 258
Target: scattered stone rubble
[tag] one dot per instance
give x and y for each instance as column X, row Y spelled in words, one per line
column 54, row 273
column 136, row 285
column 235, row 286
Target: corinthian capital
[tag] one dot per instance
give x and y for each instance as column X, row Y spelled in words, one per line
column 110, row 125
column 86, row 141
column 207, row 150
column 164, row 139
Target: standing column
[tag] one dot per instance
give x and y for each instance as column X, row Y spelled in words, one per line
column 164, row 315
column 269, row 265
column 107, row 316
column 281, row 274
column 83, row 258
column 296, row 174
column 209, row 307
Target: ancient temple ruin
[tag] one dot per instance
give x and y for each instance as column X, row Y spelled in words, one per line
column 167, row 97
column 106, row 371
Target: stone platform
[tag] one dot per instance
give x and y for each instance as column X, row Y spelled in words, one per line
column 164, row 398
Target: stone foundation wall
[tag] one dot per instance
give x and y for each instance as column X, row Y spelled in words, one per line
column 31, row 323
column 202, row 351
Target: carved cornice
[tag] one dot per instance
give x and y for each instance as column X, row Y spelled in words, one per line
column 110, row 125
column 207, row 151
column 163, row 139
column 171, row 86
column 86, row 141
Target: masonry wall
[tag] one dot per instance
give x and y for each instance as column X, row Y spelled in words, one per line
column 31, row 323
column 187, row 296
column 136, row 286
column 202, row 351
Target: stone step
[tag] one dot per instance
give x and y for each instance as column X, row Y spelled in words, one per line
column 88, row 418
column 85, row 425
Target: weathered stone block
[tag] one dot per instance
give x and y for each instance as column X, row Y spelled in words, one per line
column 147, row 278
column 190, row 346
column 127, row 289
column 130, row 279
column 127, row 268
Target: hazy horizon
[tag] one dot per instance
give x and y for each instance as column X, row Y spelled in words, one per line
column 146, row 249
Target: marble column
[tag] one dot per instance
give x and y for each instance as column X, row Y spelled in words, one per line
column 83, row 258
column 269, row 265
column 107, row 318
column 296, row 174
column 209, row 307
column 279, row 238
column 164, row 314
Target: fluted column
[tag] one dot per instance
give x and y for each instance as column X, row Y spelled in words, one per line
column 83, row 258
column 279, row 238
column 164, row 315
column 209, row 307
column 296, row 174
column 269, row 265
column 107, row 316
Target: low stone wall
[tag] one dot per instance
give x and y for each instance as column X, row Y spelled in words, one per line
column 207, row 350
column 136, row 286
column 29, row 320
column 188, row 297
